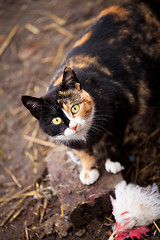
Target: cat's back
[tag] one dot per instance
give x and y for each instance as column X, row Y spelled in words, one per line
column 121, row 26
column 122, row 46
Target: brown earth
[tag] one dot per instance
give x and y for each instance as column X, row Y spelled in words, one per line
column 28, row 62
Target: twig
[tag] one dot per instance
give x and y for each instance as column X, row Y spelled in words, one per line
column 20, row 210
column 64, row 32
column 4, row 213
column 59, row 29
column 157, row 227
column 13, row 210
column 29, row 126
column 6, row 195
column 8, row 39
column 17, row 195
column 57, row 19
column 32, row 193
column 26, row 232
column 32, row 28
column 147, row 138
column 13, row 177
column 143, row 169
column 37, row 188
column 39, row 141
column 109, row 219
column 16, row 214
column 34, row 134
column 8, row 217
column 43, row 209
column 62, row 211
column 29, row 155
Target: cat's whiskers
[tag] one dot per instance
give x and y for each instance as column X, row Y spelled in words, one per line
column 102, row 117
column 98, row 131
column 99, row 127
column 89, row 126
column 95, row 131
column 105, row 115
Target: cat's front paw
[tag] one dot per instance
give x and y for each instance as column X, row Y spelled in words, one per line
column 89, row 177
column 113, row 167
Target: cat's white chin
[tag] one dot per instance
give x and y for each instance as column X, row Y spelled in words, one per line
column 70, row 134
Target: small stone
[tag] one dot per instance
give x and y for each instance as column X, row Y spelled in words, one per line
column 61, row 226
column 80, row 233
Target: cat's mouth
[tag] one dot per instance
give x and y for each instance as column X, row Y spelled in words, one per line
column 78, row 131
column 70, row 134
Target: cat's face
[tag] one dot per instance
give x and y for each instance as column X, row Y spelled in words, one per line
column 66, row 112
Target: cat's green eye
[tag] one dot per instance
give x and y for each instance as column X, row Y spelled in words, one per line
column 56, row 120
column 75, row 109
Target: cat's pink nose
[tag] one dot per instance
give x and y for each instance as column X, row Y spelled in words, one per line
column 74, row 127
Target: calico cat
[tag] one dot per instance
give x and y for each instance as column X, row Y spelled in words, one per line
column 111, row 74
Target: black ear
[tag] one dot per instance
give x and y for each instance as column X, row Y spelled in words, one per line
column 70, row 80
column 34, row 105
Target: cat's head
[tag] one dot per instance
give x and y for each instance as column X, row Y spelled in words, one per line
column 65, row 112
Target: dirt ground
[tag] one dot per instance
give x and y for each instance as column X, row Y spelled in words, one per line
column 39, row 34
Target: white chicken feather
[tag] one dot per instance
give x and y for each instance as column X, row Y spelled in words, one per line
column 133, row 207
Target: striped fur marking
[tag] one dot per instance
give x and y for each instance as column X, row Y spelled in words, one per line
column 58, row 81
column 84, row 61
column 117, row 10
column 83, row 39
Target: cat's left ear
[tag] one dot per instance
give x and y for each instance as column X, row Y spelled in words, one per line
column 70, row 80
column 33, row 104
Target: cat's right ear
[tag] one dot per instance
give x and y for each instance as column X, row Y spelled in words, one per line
column 33, row 104
column 70, row 80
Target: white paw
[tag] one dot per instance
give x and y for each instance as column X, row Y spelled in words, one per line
column 89, row 177
column 113, row 167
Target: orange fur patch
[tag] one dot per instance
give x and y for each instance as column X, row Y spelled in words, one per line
column 86, row 175
column 83, row 39
column 86, row 107
column 66, row 107
column 115, row 10
column 88, row 161
column 84, row 61
column 58, row 80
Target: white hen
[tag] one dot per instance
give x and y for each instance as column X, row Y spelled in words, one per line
column 134, row 209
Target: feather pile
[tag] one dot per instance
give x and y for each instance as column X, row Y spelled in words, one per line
column 134, row 208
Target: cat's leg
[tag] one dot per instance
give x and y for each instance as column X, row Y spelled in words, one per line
column 114, row 162
column 113, row 167
column 89, row 173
